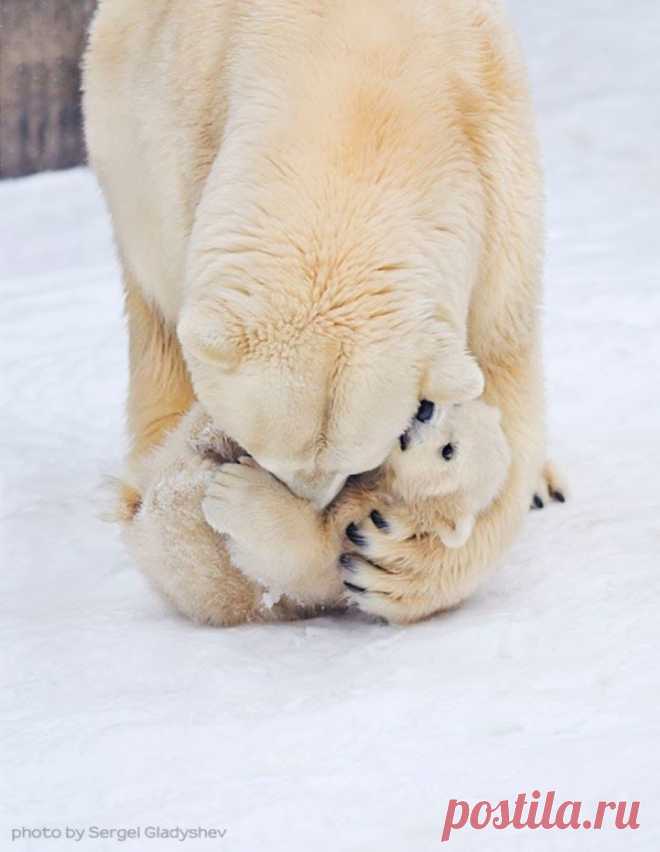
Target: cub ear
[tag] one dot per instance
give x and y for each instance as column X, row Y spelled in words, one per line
column 205, row 335
column 455, row 375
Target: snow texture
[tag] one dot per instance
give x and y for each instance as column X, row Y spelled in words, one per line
column 337, row 733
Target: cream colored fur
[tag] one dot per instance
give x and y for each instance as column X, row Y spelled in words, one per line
column 182, row 555
column 446, row 493
column 330, row 201
column 204, row 502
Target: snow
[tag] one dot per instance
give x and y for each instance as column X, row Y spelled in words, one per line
column 337, row 733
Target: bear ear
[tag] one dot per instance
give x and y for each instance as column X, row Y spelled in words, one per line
column 205, row 336
column 454, row 375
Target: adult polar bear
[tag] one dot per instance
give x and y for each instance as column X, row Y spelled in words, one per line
column 316, row 204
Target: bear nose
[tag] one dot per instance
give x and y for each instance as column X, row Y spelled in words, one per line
column 320, row 491
column 425, row 411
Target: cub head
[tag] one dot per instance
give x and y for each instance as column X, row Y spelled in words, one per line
column 450, row 449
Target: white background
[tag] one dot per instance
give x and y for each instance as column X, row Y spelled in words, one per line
column 337, row 734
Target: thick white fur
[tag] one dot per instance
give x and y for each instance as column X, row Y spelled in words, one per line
column 330, row 199
column 187, row 560
column 448, row 494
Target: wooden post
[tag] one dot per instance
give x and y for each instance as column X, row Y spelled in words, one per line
column 41, row 44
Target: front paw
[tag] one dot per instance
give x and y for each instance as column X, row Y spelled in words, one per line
column 273, row 537
column 380, row 569
column 378, row 534
column 238, row 499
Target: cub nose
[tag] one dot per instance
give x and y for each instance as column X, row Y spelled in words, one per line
column 425, row 411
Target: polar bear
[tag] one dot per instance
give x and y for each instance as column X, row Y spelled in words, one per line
column 322, row 208
column 185, row 525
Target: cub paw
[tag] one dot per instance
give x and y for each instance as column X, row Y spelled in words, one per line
column 393, row 591
column 378, row 535
column 379, row 569
column 239, row 498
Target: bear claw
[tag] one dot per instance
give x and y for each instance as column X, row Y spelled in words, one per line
column 378, row 520
column 355, row 535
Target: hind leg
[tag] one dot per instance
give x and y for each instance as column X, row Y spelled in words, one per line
column 160, row 392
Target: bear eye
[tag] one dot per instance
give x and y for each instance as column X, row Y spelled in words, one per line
column 425, row 411
column 448, row 452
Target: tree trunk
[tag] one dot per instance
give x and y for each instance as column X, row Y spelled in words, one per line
column 41, row 44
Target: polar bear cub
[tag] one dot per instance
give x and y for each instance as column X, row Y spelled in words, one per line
column 199, row 505
column 453, row 462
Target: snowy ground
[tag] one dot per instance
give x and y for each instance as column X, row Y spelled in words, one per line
column 336, row 734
